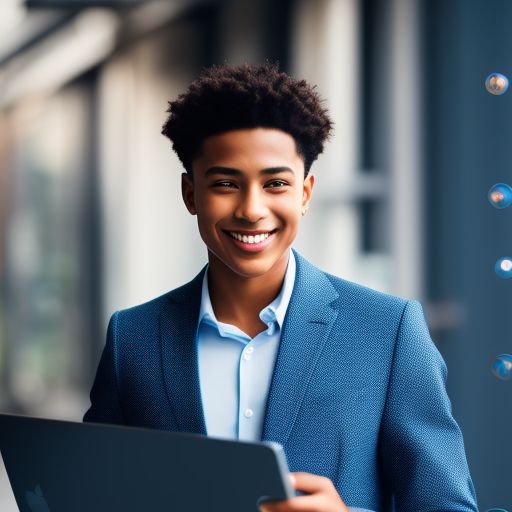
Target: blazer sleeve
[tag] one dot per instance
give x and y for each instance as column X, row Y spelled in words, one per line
column 105, row 402
column 421, row 446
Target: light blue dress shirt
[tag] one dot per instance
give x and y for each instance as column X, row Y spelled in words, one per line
column 235, row 370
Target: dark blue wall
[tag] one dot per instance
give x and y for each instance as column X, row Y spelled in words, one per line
column 469, row 148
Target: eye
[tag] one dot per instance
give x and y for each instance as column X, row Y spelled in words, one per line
column 277, row 184
column 224, row 184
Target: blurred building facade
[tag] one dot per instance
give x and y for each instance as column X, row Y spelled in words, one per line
column 91, row 215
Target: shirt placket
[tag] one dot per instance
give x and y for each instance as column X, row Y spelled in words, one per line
column 246, row 411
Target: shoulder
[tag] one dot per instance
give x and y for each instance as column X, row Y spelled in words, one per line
column 149, row 311
column 372, row 308
column 350, row 295
column 358, row 293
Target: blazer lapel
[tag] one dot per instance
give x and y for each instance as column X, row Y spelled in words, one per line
column 178, row 325
column 307, row 324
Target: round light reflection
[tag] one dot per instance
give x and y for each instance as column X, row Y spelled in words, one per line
column 496, row 84
column 501, row 367
column 503, row 267
column 500, row 195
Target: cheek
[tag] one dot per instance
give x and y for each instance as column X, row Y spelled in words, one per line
column 215, row 212
column 209, row 213
column 290, row 222
column 291, row 212
column 208, row 206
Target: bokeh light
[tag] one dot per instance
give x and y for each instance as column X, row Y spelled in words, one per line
column 500, row 195
column 501, row 367
column 496, row 84
column 503, row 267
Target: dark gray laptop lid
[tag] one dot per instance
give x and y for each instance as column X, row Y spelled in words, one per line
column 60, row 466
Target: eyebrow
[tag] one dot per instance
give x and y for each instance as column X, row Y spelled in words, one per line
column 230, row 171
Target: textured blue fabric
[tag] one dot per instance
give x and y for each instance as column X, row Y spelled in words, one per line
column 357, row 395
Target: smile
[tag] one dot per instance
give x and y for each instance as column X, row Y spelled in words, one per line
column 250, row 239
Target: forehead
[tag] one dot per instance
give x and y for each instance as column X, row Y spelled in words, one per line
column 249, row 149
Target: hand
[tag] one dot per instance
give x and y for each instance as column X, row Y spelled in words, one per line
column 322, row 496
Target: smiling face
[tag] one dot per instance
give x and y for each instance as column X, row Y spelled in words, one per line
column 248, row 194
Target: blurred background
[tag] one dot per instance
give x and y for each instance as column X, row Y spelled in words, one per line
column 91, row 215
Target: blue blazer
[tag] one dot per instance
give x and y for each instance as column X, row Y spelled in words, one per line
column 357, row 395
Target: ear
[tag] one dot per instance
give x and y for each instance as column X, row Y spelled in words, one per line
column 308, row 189
column 187, row 192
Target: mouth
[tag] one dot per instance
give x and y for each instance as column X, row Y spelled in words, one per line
column 250, row 237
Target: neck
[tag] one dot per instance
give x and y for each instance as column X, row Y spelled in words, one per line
column 239, row 299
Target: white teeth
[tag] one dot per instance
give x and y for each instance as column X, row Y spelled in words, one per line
column 251, row 239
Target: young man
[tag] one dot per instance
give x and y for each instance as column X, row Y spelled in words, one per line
column 261, row 344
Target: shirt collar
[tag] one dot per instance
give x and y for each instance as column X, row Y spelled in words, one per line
column 274, row 312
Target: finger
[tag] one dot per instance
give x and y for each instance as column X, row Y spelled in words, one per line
column 278, row 506
column 304, row 504
column 274, row 506
column 290, row 505
column 310, row 483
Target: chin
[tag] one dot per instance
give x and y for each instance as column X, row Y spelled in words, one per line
column 258, row 268
column 254, row 270
column 249, row 265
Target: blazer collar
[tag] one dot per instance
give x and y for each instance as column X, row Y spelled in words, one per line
column 307, row 324
column 178, row 328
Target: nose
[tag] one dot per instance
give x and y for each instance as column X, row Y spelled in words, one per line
column 252, row 206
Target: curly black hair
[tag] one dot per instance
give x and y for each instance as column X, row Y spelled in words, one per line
column 227, row 98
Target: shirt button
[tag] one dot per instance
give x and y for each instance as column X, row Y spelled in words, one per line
column 248, row 353
column 248, row 413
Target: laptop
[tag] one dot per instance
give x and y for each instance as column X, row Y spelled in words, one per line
column 63, row 466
